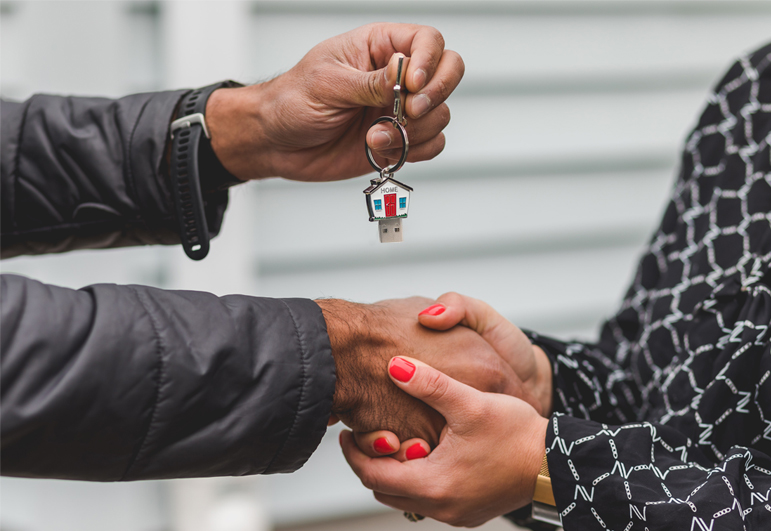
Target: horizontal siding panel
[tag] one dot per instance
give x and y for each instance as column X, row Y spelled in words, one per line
column 324, row 488
column 538, row 289
column 518, row 7
column 552, row 46
column 305, row 227
column 569, row 125
column 128, row 265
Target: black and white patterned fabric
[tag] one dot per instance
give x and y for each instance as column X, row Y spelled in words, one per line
column 666, row 422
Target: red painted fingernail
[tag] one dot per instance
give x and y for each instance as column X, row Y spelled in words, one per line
column 416, row 451
column 436, row 309
column 382, row 446
column 401, row 369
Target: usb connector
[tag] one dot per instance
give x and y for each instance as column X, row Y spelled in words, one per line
column 390, row 230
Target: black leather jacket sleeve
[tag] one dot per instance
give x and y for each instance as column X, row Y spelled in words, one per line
column 81, row 172
column 113, row 383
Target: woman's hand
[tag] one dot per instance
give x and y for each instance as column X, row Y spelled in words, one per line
column 487, row 461
column 310, row 123
column 364, row 338
column 529, row 361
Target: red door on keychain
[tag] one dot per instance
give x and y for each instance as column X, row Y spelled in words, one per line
column 390, row 205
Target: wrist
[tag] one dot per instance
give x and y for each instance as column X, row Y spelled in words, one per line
column 351, row 337
column 537, row 452
column 235, row 117
column 541, row 386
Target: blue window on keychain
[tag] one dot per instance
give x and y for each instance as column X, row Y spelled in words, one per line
column 378, row 204
column 402, row 202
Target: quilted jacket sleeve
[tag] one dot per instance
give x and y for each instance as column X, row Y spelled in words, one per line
column 81, row 172
column 113, row 383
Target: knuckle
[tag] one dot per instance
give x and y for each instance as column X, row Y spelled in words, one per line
column 464, row 521
column 449, row 516
column 452, row 297
column 385, row 500
column 477, row 410
column 370, row 480
column 391, row 154
column 498, row 380
column 456, row 520
column 491, row 377
column 441, row 142
column 445, row 115
column 436, row 386
column 372, row 89
column 460, row 65
column 435, row 492
column 442, row 515
column 443, row 88
column 437, row 37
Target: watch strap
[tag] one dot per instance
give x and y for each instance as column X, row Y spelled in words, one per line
column 191, row 156
column 543, row 491
column 544, row 508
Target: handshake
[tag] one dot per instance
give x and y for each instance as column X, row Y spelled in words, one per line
column 451, row 362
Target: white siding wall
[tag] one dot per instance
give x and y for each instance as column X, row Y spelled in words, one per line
column 564, row 140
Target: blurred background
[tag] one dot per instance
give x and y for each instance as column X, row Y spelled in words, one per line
column 562, row 148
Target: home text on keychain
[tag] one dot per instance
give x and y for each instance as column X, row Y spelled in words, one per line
column 388, row 200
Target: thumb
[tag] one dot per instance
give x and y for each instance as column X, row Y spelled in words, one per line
column 374, row 88
column 452, row 308
column 446, row 395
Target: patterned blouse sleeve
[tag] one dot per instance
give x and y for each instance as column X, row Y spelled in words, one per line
column 665, row 423
column 650, row 476
column 588, row 380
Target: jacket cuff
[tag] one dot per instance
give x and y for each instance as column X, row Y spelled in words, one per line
column 148, row 148
column 318, row 386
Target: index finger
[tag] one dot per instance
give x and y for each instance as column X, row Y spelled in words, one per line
column 432, row 73
column 424, row 45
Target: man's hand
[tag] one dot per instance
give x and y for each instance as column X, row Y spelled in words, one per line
column 309, row 124
column 486, row 463
column 365, row 337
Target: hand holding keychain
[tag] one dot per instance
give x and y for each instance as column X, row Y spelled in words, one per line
column 388, row 200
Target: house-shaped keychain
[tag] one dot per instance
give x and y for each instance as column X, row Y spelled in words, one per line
column 388, row 201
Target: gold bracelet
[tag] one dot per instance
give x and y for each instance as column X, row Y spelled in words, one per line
column 543, row 492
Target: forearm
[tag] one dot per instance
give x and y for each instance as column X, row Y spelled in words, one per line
column 353, row 337
column 542, row 386
column 126, row 382
column 89, row 173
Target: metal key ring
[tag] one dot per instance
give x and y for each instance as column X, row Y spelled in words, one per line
column 405, row 146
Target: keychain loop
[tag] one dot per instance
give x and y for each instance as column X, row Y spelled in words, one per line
column 405, row 146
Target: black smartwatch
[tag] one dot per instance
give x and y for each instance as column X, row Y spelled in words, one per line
column 194, row 169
